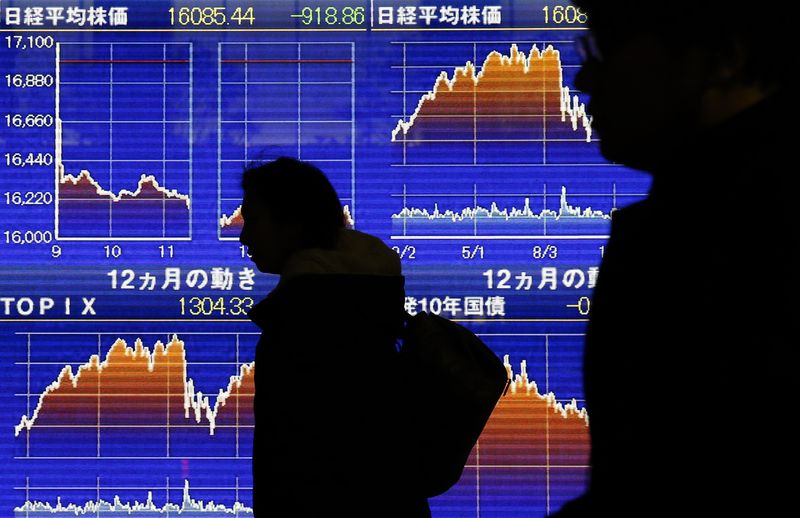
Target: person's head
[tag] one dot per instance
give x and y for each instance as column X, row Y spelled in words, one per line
column 288, row 206
column 657, row 73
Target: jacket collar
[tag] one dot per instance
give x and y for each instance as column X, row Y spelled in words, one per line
column 385, row 293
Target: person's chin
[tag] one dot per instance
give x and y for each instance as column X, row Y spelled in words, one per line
column 617, row 147
column 611, row 151
column 257, row 261
column 266, row 267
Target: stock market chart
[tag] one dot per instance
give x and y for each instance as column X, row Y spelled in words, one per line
column 453, row 131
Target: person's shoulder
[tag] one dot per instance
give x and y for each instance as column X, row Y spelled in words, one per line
column 632, row 213
column 338, row 292
column 321, row 281
column 356, row 253
column 321, row 298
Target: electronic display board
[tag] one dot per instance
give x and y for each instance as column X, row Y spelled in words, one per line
column 451, row 130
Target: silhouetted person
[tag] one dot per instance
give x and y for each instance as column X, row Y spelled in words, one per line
column 690, row 367
column 329, row 438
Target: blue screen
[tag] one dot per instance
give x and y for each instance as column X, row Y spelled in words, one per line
column 451, row 130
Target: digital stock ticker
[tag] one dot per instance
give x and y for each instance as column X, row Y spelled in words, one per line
column 452, row 130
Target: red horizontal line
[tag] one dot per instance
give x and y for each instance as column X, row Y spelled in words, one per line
column 284, row 61
column 124, row 61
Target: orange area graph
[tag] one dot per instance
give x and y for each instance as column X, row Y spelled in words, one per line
column 83, row 186
column 150, row 211
column 134, row 387
column 231, row 226
column 528, row 428
column 514, row 97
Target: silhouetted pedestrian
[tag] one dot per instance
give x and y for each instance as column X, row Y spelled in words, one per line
column 690, row 365
column 329, row 439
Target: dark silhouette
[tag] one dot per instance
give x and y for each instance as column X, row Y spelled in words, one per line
column 689, row 368
column 329, row 439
